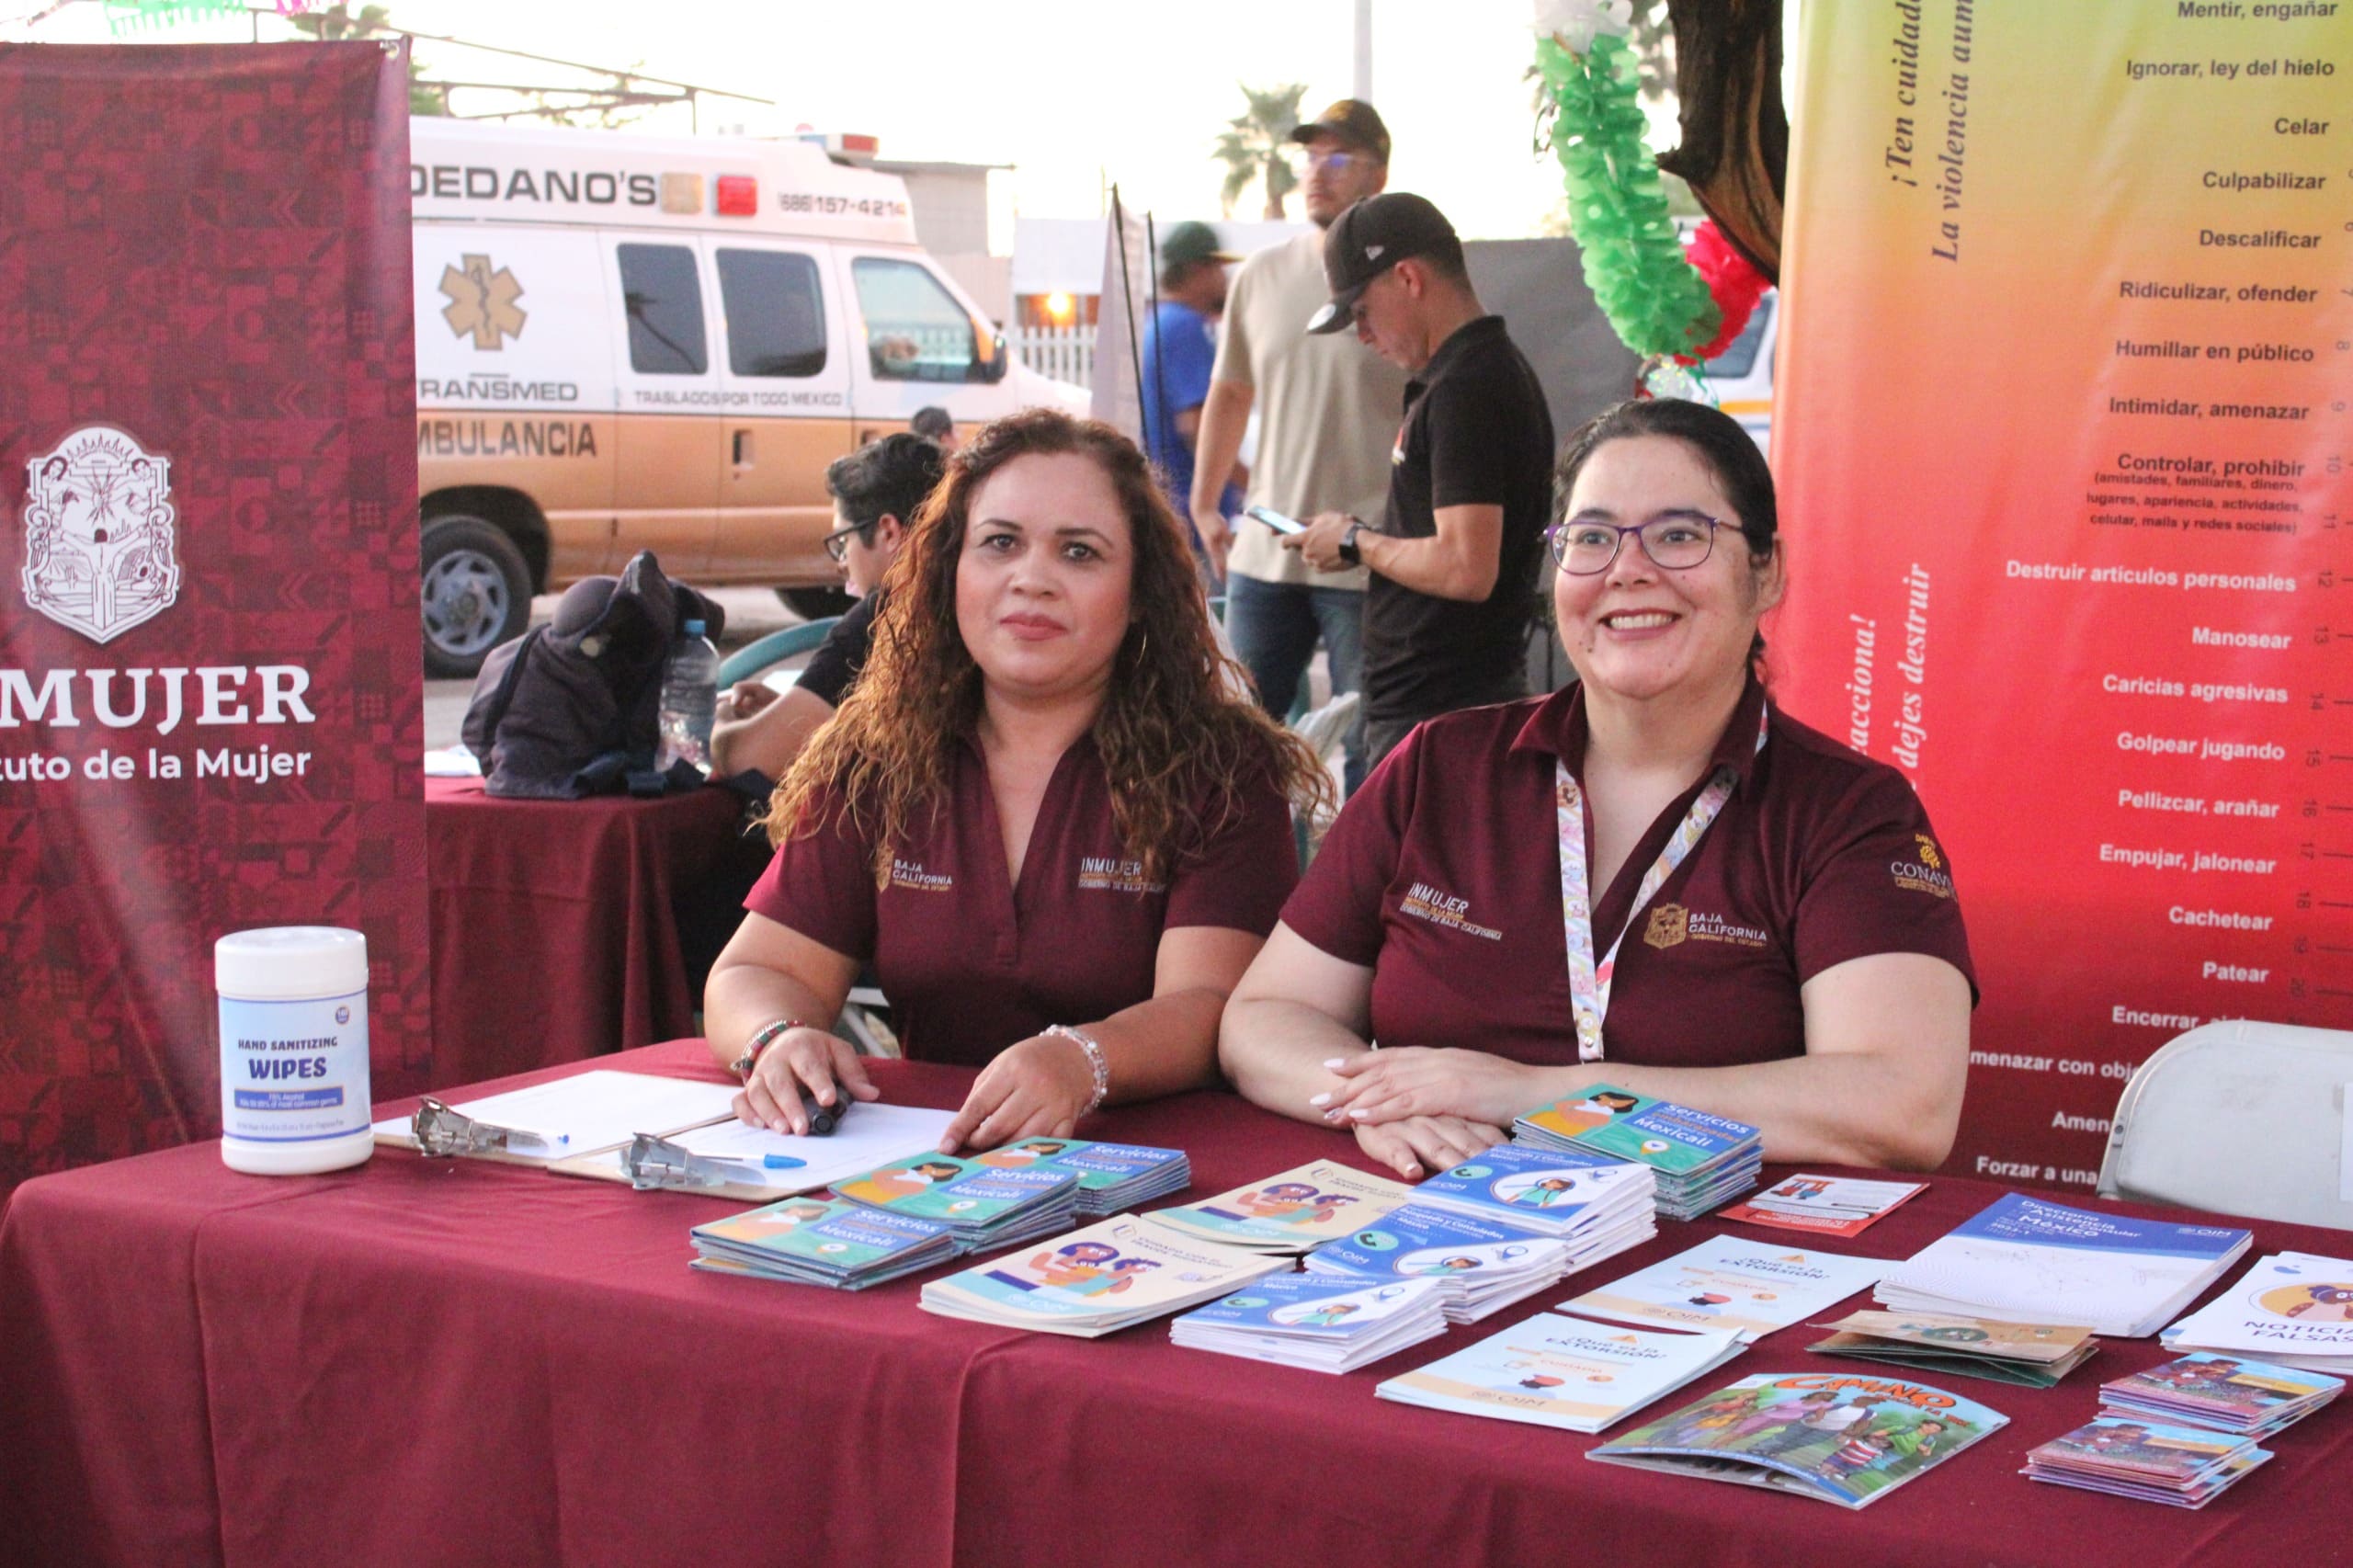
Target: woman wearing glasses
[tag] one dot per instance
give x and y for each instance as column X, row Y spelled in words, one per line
column 1045, row 816
column 876, row 490
column 1653, row 879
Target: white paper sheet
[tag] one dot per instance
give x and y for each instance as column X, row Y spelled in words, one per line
column 588, row 1111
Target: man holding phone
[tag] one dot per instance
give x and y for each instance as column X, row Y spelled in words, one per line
column 1454, row 564
column 1327, row 409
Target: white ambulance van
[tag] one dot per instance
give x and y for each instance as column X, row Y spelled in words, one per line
column 626, row 342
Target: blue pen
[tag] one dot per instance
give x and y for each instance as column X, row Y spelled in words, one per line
column 781, row 1162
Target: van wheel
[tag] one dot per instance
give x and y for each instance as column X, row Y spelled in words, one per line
column 816, row 604
column 477, row 595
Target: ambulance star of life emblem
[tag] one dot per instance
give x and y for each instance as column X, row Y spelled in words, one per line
column 482, row 301
column 1670, row 922
column 100, row 548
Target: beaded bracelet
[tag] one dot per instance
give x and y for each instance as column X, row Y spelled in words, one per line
column 761, row 1041
column 1094, row 1062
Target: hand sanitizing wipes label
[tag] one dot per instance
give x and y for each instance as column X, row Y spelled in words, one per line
column 294, row 1072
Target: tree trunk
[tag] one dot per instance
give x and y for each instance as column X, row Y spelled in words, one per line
column 1736, row 151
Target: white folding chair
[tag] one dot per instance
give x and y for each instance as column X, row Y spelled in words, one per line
column 2239, row 1118
column 862, row 1023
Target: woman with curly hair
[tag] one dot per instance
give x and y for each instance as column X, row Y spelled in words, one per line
column 1049, row 816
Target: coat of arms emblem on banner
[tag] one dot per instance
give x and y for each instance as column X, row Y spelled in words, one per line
column 100, row 550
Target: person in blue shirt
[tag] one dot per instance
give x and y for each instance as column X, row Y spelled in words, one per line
column 1178, row 353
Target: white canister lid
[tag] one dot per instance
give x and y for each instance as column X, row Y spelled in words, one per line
column 283, row 963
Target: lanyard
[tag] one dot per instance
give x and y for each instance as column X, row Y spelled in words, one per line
column 1589, row 980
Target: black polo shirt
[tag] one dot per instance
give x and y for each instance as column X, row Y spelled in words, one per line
column 1476, row 432
column 833, row 667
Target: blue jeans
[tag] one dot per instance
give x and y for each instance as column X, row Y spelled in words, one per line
column 1274, row 627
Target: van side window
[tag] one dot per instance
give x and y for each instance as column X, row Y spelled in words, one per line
column 1739, row 356
column 664, row 297
column 775, row 323
column 914, row 329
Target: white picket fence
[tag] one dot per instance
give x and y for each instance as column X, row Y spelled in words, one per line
column 1066, row 353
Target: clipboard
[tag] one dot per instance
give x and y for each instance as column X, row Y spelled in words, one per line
column 560, row 1121
column 872, row 1135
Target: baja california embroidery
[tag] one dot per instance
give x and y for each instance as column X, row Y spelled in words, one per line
column 1589, row 980
column 99, row 542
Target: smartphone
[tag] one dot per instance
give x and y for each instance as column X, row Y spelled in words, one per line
column 1275, row 520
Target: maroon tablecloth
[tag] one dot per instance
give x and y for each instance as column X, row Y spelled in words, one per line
column 461, row 1362
column 556, row 923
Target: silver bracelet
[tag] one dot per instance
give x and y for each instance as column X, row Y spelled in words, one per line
column 1094, row 1062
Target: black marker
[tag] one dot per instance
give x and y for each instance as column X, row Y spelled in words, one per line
column 824, row 1118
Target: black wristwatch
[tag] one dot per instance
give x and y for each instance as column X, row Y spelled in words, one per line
column 1349, row 543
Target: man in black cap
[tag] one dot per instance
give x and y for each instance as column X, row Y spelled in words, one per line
column 1178, row 351
column 1326, row 411
column 1454, row 564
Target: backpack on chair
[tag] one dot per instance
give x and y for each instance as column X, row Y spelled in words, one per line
column 571, row 709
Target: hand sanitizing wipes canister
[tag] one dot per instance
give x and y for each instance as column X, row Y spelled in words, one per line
column 293, row 1049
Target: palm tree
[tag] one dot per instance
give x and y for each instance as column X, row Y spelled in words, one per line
column 1257, row 146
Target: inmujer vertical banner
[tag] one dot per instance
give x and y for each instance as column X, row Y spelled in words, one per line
column 2067, row 476
column 210, row 709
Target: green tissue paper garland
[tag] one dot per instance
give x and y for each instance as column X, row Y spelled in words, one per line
column 1654, row 298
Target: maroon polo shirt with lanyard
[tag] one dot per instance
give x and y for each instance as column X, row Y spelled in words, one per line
column 1443, row 875
column 972, row 962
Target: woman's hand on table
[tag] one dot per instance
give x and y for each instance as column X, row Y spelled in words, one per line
column 1420, row 1144
column 1419, row 1081
column 771, row 1097
column 1037, row 1088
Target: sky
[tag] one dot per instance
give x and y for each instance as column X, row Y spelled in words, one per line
column 1072, row 94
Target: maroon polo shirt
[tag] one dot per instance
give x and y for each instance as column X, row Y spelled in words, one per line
column 973, row 963
column 1443, row 874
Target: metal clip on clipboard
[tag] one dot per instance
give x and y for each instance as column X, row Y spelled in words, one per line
column 653, row 1162
column 442, row 1132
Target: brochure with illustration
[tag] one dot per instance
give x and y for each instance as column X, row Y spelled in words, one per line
column 2028, row 1258
column 1482, row 1265
column 1828, row 1206
column 1111, row 1176
column 2293, row 1309
column 1094, row 1281
column 1730, row 1282
column 1322, row 1322
column 2228, row 1394
column 2184, row 1467
column 2035, row 1355
column 1296, row 1212
column 1568, row 1372
column 1557, row 1192
column 1848, row 1440
column 988, row 1206
column 808, row 1239
column 1700, row 1159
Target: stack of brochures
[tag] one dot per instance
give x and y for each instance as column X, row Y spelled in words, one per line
column 1701, row 1160
column 2043, row 1261
column 2185, row 1466
column 1294, row 1212
column 1482, row 1266
column 985, row 1206
column 1098, row 1280
column 1332, row 1322
column 1835, row 1439
column 2036, row 1355
column 2228, row 1394
column 2293, row 1309
column 1828, row 1206
column 1581, row 1199
column 1562, row 1372
column 1112, row 1177
column 811, row 1242
column 1731, row 1283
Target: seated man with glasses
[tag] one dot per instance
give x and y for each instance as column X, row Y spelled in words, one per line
column 1653, row 879
column 876, row 490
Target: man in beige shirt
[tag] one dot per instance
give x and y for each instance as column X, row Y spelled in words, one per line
column 1329, row 411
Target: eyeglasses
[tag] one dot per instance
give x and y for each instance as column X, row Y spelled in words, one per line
column 837, row 541
column 1674, row 541
column 1339, row 160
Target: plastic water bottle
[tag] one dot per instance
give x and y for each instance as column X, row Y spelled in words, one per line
column 690, row 698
